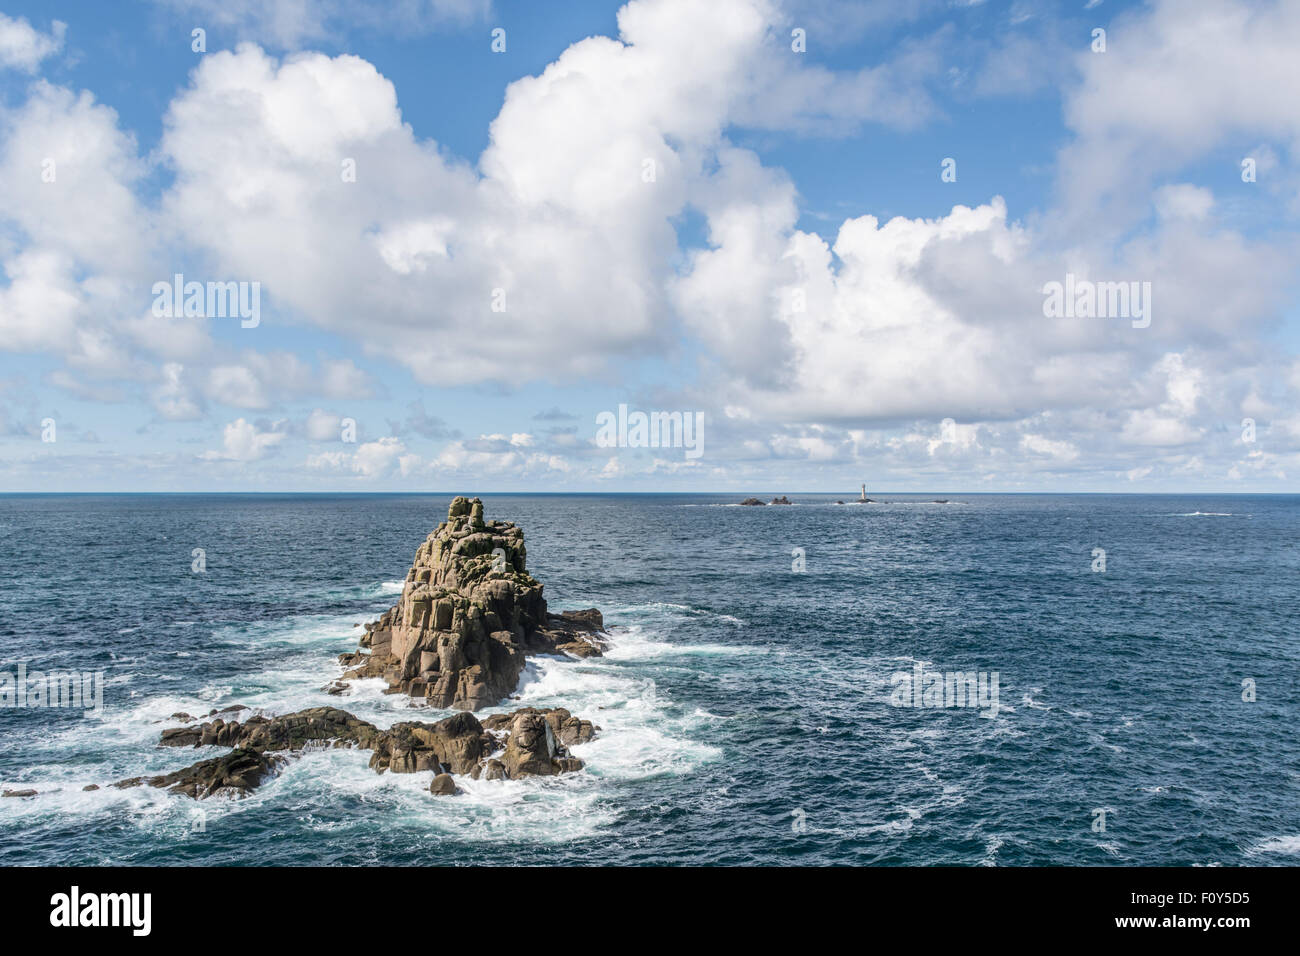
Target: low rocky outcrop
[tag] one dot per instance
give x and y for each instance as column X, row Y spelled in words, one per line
column 750, row 502
column 526, row 743
column 318, row 726
column 468, row 615
column 576, row 633
column 235, row 774
column 456, row 744
column 783, row 500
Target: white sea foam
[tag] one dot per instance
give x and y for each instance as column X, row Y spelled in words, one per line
column 1281, row 844
column 639, row 736
column 59, row 798
column 991, row 847
column 544, row 810
column 896, row 826
column 643, row 735
column 669, row 611
column 299, row 631
column 636, row 643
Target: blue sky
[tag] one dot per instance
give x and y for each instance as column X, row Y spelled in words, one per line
column 744, row 280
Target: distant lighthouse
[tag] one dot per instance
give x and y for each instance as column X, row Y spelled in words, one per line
column 863, row 496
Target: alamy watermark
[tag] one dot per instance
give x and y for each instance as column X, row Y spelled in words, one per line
column 211, row 300
column 83, row 690
column 942, row 689
column 651, row 430
column 75, row 908
column 1085, row 299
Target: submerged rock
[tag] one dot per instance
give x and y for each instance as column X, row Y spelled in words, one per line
column 468, row 615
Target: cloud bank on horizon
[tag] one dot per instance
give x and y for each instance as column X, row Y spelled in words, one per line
column 753, row 210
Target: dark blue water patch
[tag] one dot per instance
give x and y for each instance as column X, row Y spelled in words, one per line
column 746, row 708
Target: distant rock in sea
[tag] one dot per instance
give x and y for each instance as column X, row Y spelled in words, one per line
column 783, row 500
column 751, row 501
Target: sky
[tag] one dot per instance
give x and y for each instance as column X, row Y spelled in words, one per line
column 468, row 232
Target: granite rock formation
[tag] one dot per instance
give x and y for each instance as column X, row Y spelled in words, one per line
column 526, row 743
column 317, row 726
column 468, row 615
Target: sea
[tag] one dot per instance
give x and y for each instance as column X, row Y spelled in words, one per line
column 784, row 685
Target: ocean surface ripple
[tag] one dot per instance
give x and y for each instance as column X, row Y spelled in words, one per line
column 746, row 708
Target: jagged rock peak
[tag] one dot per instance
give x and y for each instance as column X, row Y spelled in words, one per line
column 468, row 614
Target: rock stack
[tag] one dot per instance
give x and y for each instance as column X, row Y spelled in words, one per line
column 469, row 613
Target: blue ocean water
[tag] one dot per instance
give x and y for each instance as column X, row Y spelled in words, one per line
column 745, row 708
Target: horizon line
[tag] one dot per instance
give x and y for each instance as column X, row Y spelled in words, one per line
column 54, row 494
